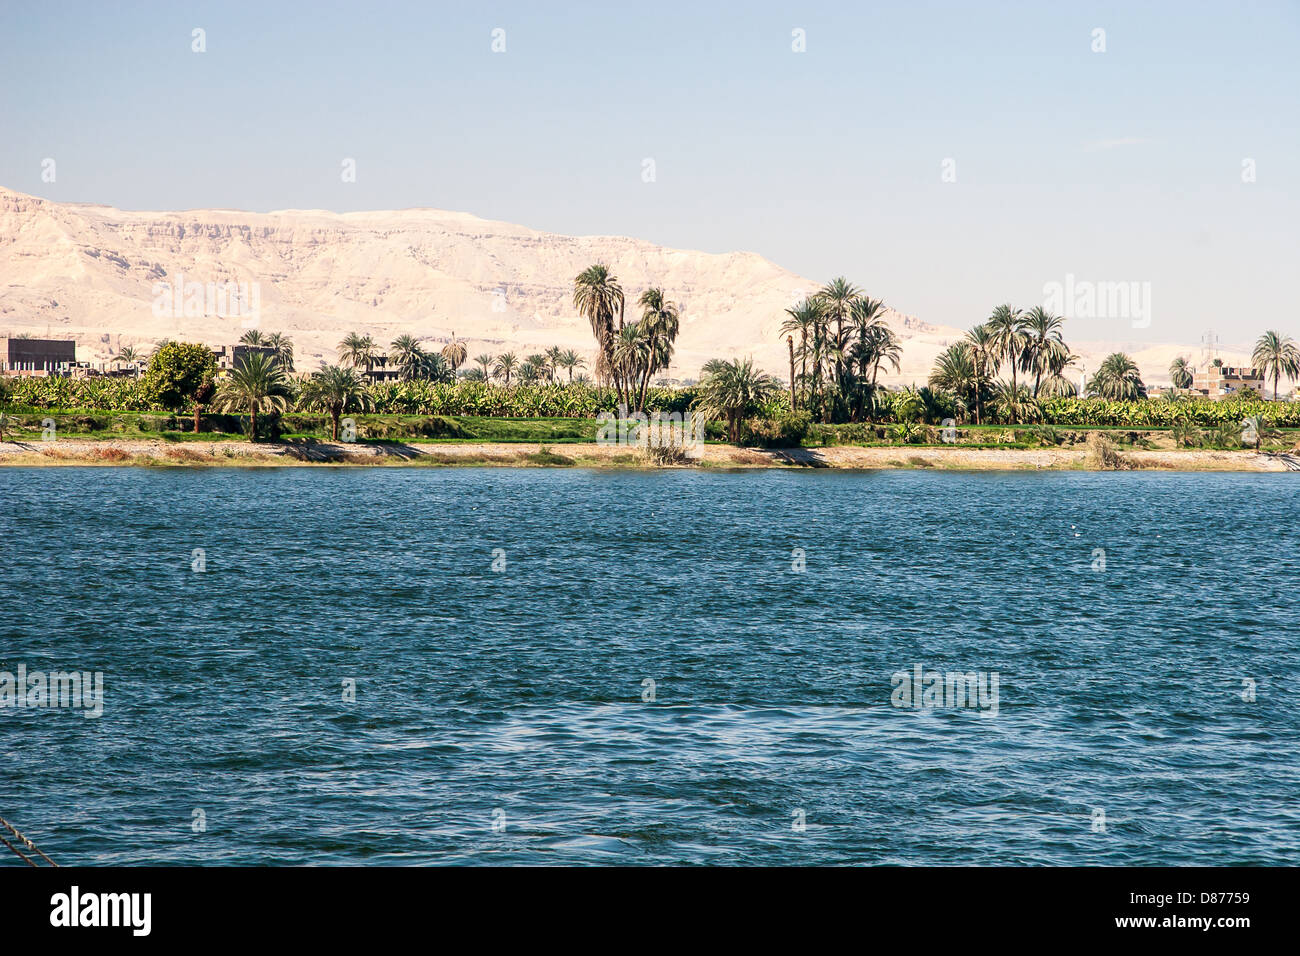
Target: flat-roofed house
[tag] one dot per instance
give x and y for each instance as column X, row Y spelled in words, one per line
column 37, row 357
column 1222, row 381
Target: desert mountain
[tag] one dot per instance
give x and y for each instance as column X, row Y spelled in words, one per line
column 110, row 278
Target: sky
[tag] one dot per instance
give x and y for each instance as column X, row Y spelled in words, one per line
column 944, row 156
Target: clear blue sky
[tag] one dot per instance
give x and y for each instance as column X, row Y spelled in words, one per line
column 1123, row 165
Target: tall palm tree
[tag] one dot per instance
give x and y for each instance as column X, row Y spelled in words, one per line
column 1006, row 326
column 1119, row 379
column 258, row 383
column 506, row 364
column 408, row 355
column 335, row 390
column 283, row 347
column 1043, row 341
column 1276, row 354
column 553, row 355
column 359, row 350
column 838, row 297
column 984, row 353
column 802, row 320
column 455, row 352
column 599, row 298
column 253, row 338
column 485, row 360
column 660, row 322
column 734, row 390
column 1180, row 372
column 631, row 354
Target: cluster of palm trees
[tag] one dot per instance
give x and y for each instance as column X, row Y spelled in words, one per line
column 627, row 353
column 406, row 353
column 1010, row 340
column 541, row 367
column 843, row 340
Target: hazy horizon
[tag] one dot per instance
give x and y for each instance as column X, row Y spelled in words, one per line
column 1123, row 165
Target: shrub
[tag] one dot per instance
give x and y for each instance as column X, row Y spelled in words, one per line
column 785, row 430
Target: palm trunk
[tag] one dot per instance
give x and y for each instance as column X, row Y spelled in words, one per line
column 794, row 405
column 803, row 356
column 252, row 422
column 334, row 417
column 198, row 411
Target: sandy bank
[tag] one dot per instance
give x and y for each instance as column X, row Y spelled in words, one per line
column 229, row 453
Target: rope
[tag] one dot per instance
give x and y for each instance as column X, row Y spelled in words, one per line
column 26, row 842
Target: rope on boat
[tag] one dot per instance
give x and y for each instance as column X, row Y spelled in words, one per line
column 26, row 842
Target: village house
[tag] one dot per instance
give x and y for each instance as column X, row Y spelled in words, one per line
column 37, row 357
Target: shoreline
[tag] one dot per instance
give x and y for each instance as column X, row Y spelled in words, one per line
column 156, row 453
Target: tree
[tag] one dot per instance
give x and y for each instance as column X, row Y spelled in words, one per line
column 485, row 360
column 252, row 338
column 1276, row 354
column 837, row 298
column 455, row 353
column 734, row 390
column 336, row 390
column 598, row 297
column 570, row 360
column 984, row 353
column 1119, row 379
column 1006, row 328
column 283, row 348
column 130, row 356
column 177, row 373
column 1043, row 342
column 359, row 350
column 954, row 372
column 1180, row 373
column 257, row 383
column 506, row 364
column 660, row 321
column 407, row 355
column 803, row 320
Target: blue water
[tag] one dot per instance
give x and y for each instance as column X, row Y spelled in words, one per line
column 514, row 697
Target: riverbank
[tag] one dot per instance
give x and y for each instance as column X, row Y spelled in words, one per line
column 280, row 454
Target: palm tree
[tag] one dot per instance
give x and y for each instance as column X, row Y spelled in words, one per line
column 1119, row 379
column 733, row 390
column 129, row 356
column 485, row 360
column 407, row 354
column 1043, row 341
column 570, row 360
column 984, row 354
column 553, row 355
column 253, row 339
column 597, row 296
column 1056, row 383
column 1006, row 327
column 358, row 350
column 631, row 354
column 257, row 383
column 1180, row 372
column 455, row 352
column 505, row 365
column 954, row 371
column 1014, row 403
column 534, row 368
column 1276, row 354
column 803, row 321
column 660, row 321
column 335, row 390
column 838, row 297
column 283, row 348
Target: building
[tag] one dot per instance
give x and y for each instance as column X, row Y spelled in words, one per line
column 228, row 356
column 37, row 357
column 382, row 371
column 1222, row 381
